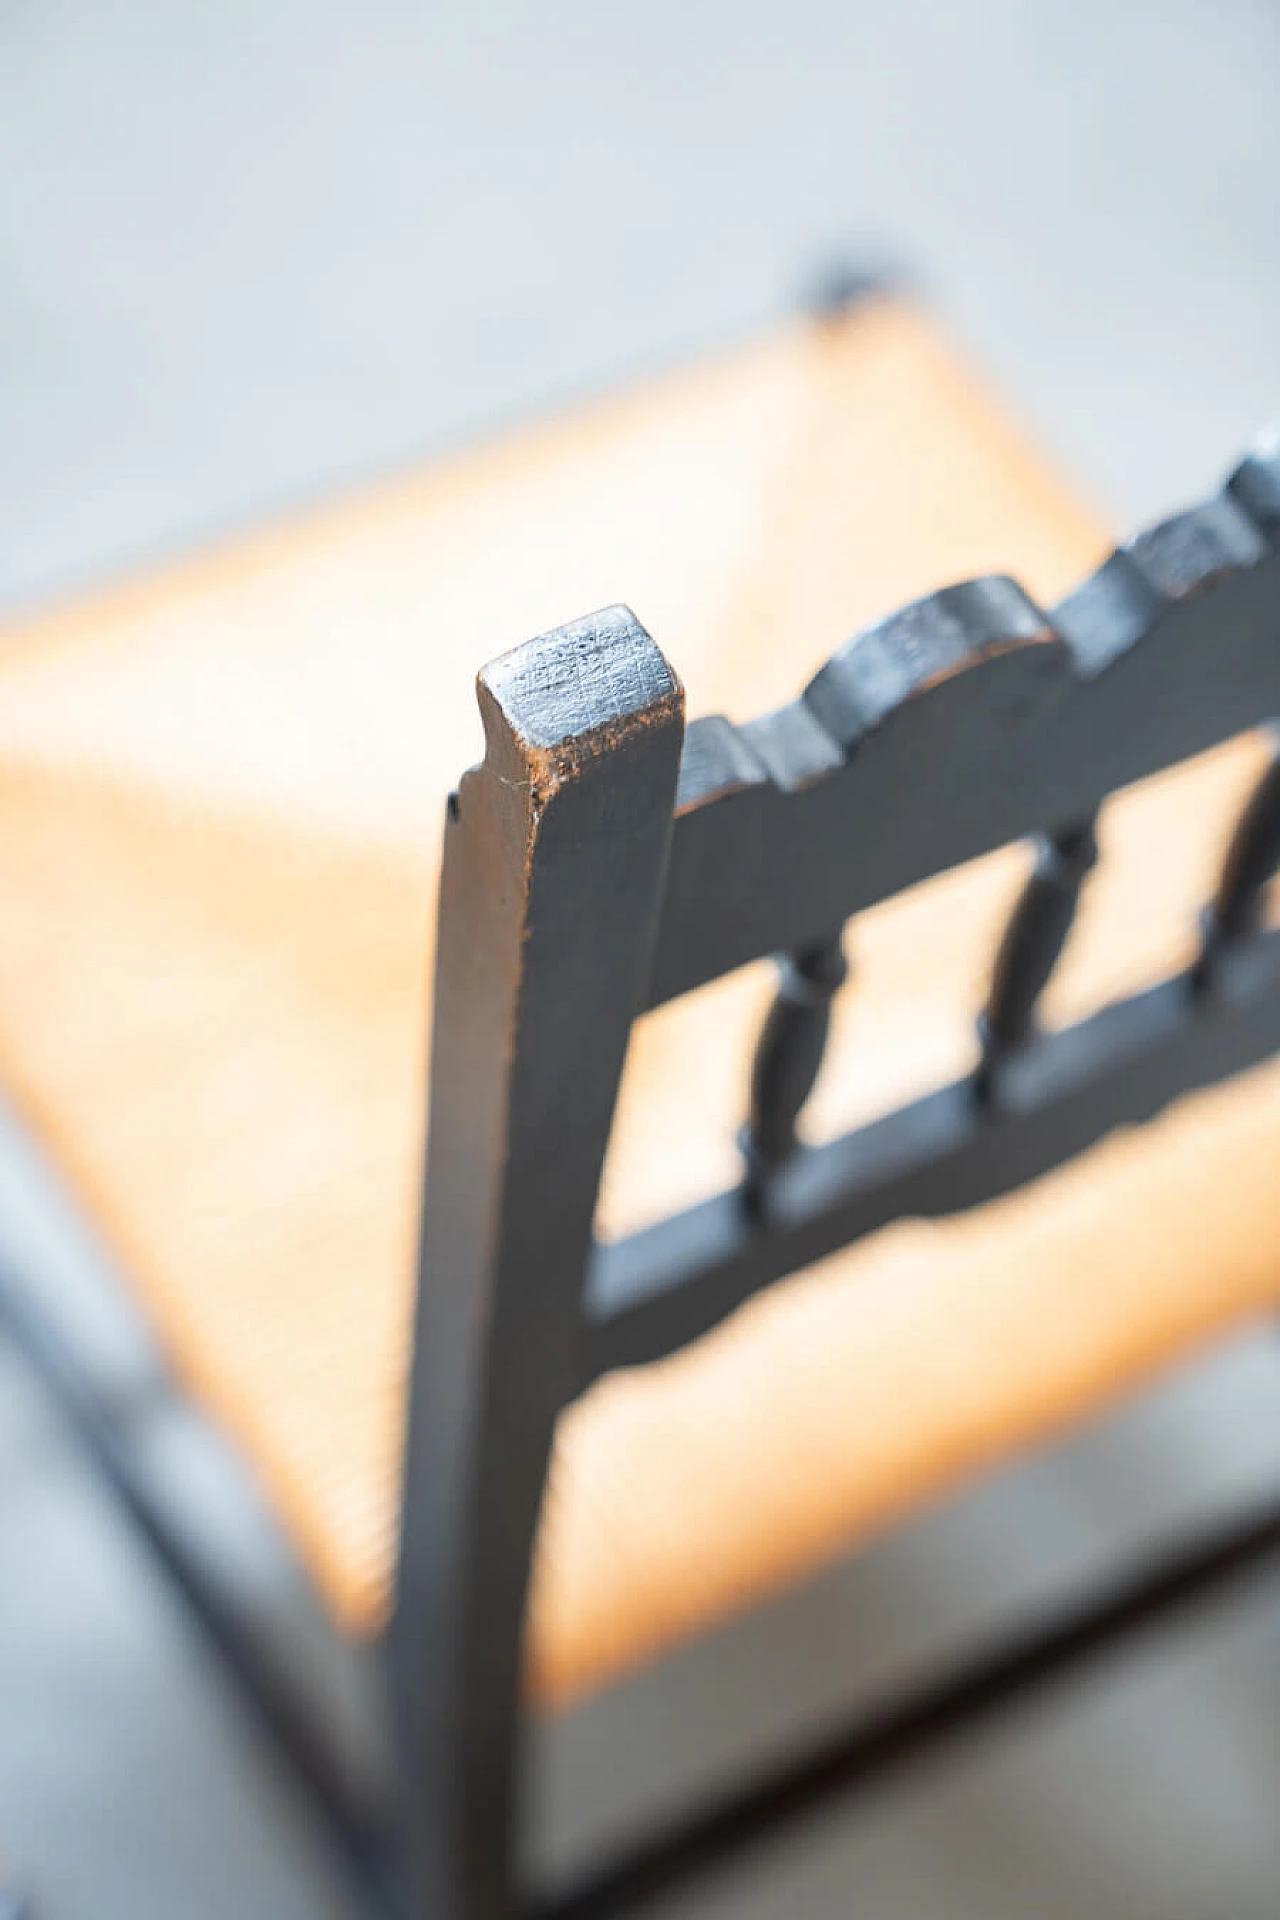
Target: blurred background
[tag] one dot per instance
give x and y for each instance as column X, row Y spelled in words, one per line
column 252, row 252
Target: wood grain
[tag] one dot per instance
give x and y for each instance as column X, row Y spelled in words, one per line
column 222, row 790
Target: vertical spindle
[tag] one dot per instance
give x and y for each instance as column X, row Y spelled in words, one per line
column 1033, row 939
column 788, row 1057
column 1250, row 865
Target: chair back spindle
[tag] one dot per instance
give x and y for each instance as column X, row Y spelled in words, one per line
column 603, row 861
column 788, row 1059
column 1252, row 857
column 1033, row 941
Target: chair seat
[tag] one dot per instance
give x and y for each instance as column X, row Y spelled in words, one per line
column 221, row 791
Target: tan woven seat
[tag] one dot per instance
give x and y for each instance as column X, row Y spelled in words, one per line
column 220, row 802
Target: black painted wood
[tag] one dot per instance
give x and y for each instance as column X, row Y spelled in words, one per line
column 964, row 722
column 787, row 1061
column 590, row 870
column 653, row 1292
column 1033, row 940
column 1250, row 865
column 152, row 1447
column 555, row 850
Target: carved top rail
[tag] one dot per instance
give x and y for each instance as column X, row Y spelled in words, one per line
column 968, row 720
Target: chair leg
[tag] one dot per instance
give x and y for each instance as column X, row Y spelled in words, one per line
column 554, row 855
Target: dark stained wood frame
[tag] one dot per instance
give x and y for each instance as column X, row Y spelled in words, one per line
column 555, row 852
column 597, row 864
column 601, row 861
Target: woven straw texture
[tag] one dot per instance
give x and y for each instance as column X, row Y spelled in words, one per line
column 220, row 803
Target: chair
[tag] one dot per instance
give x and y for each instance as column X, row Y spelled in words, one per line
column 620, row 1427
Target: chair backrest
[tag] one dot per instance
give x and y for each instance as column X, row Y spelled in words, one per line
column 602, row 861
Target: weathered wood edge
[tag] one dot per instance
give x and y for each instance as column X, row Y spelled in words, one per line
column 554, row 861
column 967, row 719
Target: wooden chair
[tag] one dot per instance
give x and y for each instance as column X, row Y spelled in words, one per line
column 216, row 849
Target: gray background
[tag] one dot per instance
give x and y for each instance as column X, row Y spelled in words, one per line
column 254, row 250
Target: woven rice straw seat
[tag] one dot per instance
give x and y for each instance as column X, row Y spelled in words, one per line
column 221, row 792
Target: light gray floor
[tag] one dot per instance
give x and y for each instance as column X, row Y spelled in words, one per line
column 251, row 250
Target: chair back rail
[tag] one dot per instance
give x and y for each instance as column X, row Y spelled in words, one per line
column 658, row 1289
column 969, row 719
column 964, row 722
column 602, row 861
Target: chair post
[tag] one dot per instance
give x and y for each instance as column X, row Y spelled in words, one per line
column 554, row 865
